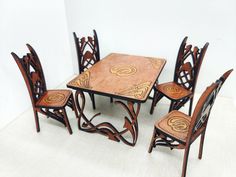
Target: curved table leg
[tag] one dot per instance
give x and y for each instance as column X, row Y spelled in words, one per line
column 106, row 128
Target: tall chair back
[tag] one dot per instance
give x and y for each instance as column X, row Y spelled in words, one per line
column 87, row 51
column 51, row 103
column 177, row 130
column 188, row 64
column 182, row 89
column 32, row 72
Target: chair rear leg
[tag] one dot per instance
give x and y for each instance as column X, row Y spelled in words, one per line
column 171, row 106
column 190, row 107
column 152, row 143
column 185, row 162
column 36, row 120
column 66, row 120
column 201, row 145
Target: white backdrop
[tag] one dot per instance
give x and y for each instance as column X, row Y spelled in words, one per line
column 150, row 28
column 43, row 25
column 157, row 27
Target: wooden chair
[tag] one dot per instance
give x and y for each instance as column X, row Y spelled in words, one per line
column 51, row 103
column 182, row 89
column 88, row 54
column 87, row 51
column 177, row 130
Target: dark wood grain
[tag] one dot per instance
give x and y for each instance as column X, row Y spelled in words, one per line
column 182, row 89
column 177, row 130
column 123, row 76
column 88, row 53
column 127, row 77
column 51, row 103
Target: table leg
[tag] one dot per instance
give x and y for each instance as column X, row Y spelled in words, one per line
column 106, row 128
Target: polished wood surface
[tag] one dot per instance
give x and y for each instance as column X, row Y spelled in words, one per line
column 127, row 77
column 187, row 67
column 51, row 103
column 54, row 98
column 88, row 54
column 177, row 130
column 87, row 49
column 173, row 90
column 176, row 124
column 122, row 76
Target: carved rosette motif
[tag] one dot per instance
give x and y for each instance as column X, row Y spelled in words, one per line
column 137, row 91
column 155, row 63
column 179, row 124
column 123, row 70
column 172, row 89
column 54, row 98
column 105, row 128
column 82, row 80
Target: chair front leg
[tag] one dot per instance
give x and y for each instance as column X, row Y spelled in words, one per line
column 152, row 143
column 156, row 97
column 172, row 103
column 66, row 120
column 177, row 104
column 74, row 107
column 36, row 120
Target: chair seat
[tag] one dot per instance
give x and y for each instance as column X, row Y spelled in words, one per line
column 173, row 91
column 176, row 124
column 54, row 99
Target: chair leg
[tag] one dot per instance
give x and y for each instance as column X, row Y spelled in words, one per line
column 74, row 107
column 66, row 120
column 201, row 145
column 152, row 143
column 93, row 100
column 156, row 97
column 190, row 107
column 47, row 111
column 153, row 103
column 171, row 106
column 185, row 162
column 111, row 100
column 36, row 120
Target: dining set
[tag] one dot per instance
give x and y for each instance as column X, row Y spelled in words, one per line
column 128, row 81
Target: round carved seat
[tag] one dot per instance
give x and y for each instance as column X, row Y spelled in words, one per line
column 174, row 91
column 175, row 124
column 54, row 98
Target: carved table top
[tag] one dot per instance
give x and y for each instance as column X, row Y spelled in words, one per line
column 121, row 76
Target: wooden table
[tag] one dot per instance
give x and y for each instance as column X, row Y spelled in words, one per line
column 126, row 77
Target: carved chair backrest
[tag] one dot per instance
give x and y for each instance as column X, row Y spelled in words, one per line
column 188, row 64
column 32, row 72
column 87, row 51
column 203, row 108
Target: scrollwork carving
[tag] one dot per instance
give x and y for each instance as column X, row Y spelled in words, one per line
column 106, row 128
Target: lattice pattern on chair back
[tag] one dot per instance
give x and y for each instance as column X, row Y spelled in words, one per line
column 87, row 51
column 32, row 72
column 205, row 103
column 188, row 64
